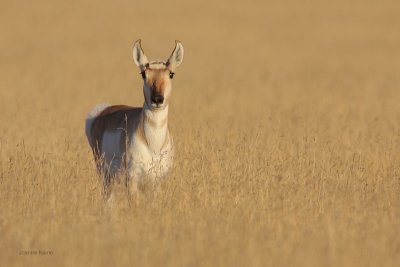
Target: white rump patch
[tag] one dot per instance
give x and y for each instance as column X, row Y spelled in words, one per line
column 97, row 110
column 91, row 116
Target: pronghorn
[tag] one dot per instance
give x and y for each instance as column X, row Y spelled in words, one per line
column 136, row 139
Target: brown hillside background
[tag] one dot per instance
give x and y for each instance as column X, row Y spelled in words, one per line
column 285, row 117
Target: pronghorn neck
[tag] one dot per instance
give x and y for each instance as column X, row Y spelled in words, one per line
column 155, row 127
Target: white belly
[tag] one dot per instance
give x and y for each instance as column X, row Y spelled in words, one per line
column 144, row 163
column 111, row 152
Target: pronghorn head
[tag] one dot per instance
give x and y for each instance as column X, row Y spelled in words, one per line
column 157, row 75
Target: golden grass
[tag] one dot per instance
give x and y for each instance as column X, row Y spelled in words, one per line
column 285, row 118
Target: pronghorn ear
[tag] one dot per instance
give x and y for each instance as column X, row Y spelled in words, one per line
column 176, row 57
column 138, row 56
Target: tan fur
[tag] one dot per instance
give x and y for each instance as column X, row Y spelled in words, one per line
column 157, row 79
column 114, row 118
column 120, row 118
column 137, row 139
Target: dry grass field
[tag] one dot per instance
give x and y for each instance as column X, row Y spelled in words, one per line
column 285, row 117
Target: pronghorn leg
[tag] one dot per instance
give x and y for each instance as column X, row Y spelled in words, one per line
column 106, row 185
column 132, row 190
column 131, row 178
column 132, row 186
column 103, row 172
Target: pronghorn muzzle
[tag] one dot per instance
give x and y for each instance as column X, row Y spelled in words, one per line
column 157, row 99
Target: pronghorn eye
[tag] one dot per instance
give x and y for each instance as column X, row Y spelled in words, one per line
column 143, row 74
column 171, row 75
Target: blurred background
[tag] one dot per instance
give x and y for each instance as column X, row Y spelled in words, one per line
column 67, row 50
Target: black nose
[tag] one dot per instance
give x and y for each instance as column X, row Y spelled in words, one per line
column 157, row 99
